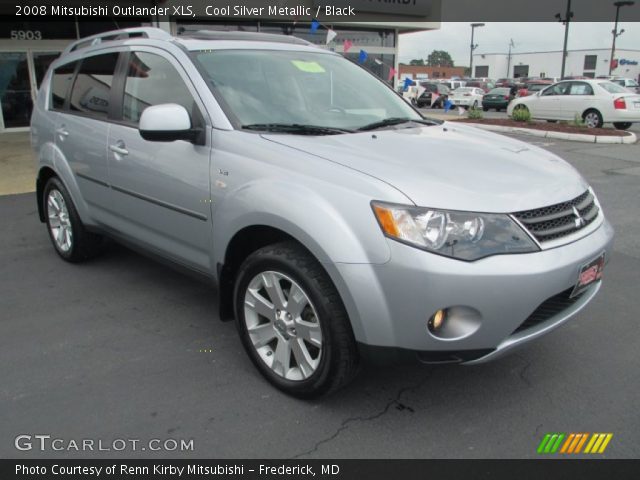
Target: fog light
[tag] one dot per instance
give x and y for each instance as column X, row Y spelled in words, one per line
column 437, row 320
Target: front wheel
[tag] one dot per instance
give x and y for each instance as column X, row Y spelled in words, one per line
column 485, row 109
column 622, row 125
column 292, row 322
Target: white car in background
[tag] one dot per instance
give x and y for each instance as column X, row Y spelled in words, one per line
column 627, row 83
column 595, row 101
column 467, row 97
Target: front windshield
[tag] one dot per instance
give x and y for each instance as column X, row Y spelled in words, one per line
column 262, row 87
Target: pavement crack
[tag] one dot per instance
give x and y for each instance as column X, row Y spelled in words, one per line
column 369, row 418
column 522, row 373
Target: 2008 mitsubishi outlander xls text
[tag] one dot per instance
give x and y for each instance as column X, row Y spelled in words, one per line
column 338, row 224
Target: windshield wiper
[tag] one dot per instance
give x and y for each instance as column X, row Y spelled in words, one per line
column 387, row 122
column 297, row 128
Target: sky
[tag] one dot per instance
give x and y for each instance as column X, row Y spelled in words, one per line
column 494, row 37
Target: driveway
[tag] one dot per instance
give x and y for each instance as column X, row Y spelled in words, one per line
column 124, row 347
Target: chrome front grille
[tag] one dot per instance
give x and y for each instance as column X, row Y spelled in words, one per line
column 560, row 220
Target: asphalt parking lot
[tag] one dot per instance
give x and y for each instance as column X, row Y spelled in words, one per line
column 123, row 347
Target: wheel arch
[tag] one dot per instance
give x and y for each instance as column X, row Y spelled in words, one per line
column 44, row 174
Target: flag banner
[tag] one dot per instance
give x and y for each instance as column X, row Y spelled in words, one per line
column 314, row 26
column 407, row 83
column 347, row 45
column 331, row 34
column 392, row 73
column 363, row 56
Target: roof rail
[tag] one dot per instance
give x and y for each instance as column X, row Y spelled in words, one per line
column 246, row 36
column 136, row 32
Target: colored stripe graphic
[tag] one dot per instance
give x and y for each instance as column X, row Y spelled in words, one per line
column 551, row 442
column 572, row 443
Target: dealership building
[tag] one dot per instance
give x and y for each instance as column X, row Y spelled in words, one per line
column 28, row 47
column 588, row 63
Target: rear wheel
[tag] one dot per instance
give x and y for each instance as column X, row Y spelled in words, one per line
column 622, row 125
column 485, row 109
column 292, row 322
column 593, row 119
column 67, row 233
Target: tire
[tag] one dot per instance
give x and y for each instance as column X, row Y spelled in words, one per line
column 67, row 233
column 326, row 357
column 485, row 109
column 593, row 118
column 622, row 125
column 475, row 105
column 414, row 102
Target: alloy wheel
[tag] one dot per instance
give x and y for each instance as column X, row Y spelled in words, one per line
column 283, row 325
column 59, row 222
column 592, row 119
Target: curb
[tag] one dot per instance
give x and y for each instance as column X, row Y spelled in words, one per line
column 573, row 137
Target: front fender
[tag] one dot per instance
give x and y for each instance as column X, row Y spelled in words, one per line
column 337, row 227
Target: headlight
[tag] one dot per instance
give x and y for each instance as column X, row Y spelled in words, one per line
column 462, row 235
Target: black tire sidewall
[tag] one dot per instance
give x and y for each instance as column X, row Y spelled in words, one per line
column 319, row 381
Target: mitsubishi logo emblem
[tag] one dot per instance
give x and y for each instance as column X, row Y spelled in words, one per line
column 578, row 220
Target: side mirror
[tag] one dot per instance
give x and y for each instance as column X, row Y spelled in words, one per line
column 166, row 123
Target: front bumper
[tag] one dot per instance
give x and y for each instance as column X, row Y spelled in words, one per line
column 390, row 304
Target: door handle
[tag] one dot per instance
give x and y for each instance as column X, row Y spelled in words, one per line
column 62, row 131
column 119, row 148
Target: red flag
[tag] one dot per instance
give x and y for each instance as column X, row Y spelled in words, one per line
column 392, row 73
column 347, row 45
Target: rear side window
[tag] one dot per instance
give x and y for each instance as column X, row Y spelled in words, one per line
column 580, row 88
column 60, row 83
column 91, row 91
column 152, row 80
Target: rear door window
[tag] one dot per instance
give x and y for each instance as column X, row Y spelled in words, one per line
column 60, row 83
column 580, row 88
column 91, row 92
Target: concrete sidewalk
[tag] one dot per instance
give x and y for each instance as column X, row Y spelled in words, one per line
column 17, row 166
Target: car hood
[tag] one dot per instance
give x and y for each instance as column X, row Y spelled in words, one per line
column 451, row 166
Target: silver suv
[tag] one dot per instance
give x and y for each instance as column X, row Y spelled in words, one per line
column 337, row 223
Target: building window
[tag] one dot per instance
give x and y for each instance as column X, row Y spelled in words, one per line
column 590, row 62
column 482, row 71
column 520, row 71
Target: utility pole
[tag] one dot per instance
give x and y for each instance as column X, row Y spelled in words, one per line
column 511, row 45
column 473, row 46
column 615, row 32
column 566, row 21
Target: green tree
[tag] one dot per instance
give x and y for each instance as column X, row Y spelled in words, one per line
column 439, row 58
column 418, row 61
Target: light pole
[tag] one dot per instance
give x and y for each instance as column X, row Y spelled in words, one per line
column 615, row 32
column 473, row 46
column 511, row 45
column 567, row 19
